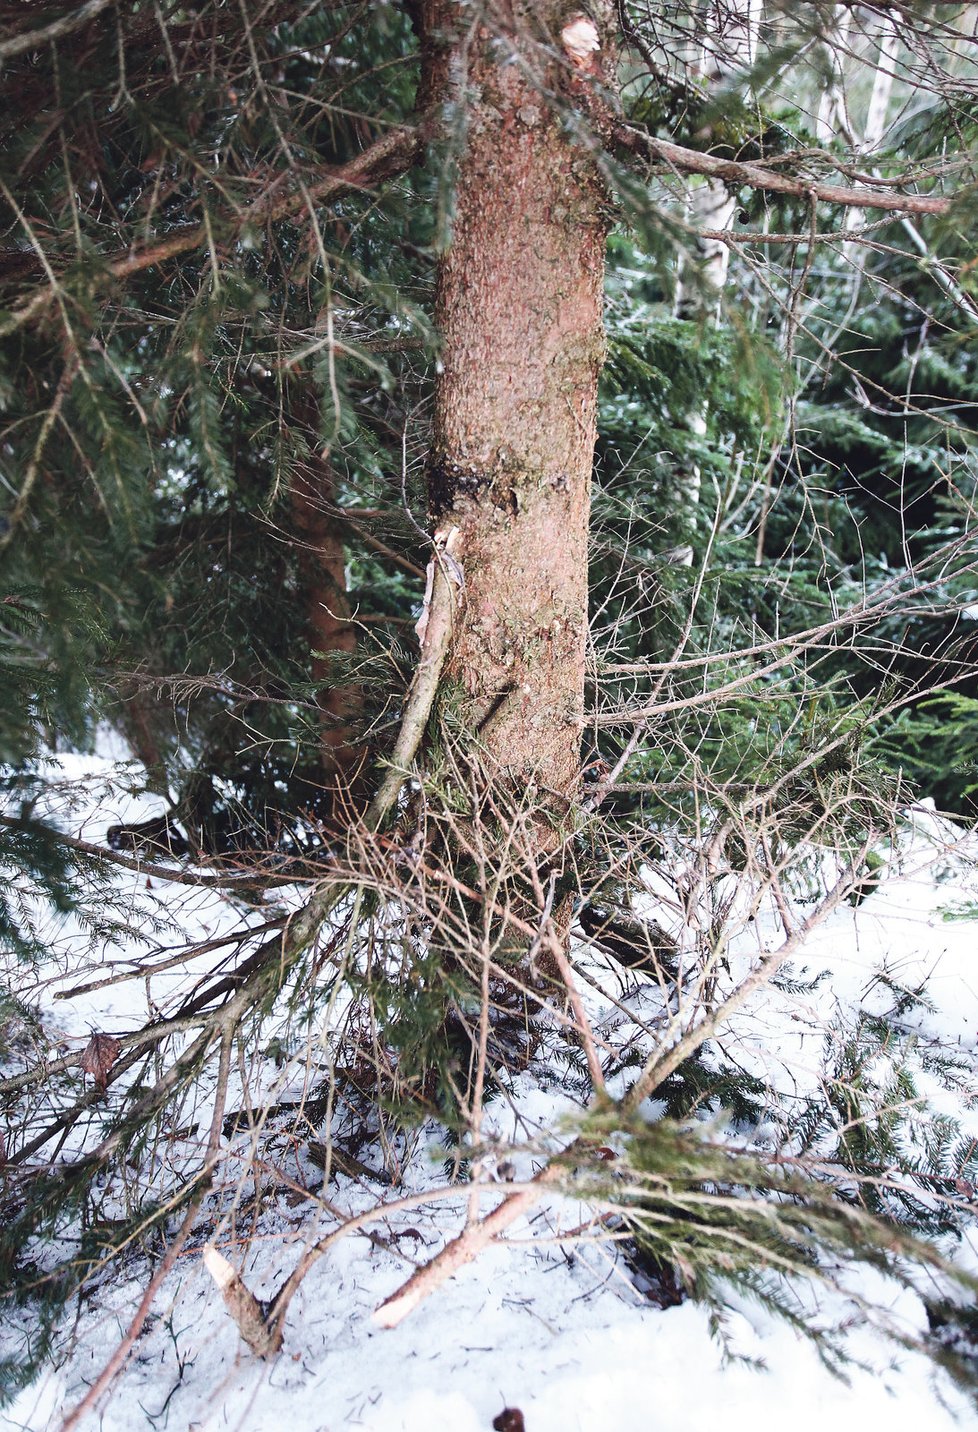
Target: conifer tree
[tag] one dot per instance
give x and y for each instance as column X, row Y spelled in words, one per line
column 307, row 340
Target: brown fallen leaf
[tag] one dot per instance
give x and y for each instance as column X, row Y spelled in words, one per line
column 99, row 1055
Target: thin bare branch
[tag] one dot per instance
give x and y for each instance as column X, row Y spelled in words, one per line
column 754, row 176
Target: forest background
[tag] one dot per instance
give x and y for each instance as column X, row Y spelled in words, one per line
column 490, row 462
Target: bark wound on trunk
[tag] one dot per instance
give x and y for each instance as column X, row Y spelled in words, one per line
column 519, row 312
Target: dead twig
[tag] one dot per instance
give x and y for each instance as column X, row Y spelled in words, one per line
column 435, row 635
column 754, row 176
column 120, row 1356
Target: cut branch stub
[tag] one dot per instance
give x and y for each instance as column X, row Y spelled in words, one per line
column 263, row 1336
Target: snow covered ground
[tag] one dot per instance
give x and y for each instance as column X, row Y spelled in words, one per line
column 548, row 1322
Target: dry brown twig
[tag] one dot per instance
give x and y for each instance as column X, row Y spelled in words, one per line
column 465, row 1248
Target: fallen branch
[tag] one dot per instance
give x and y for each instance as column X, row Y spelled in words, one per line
column 471, row 1242
column 463, row 1250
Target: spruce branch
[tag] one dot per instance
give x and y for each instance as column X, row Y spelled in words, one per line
column 741, row 174
column 19, row 509
column 392, row 154
column 147, row 971
column 57, row 30
column 169, row 874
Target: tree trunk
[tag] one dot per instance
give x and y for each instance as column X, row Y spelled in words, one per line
column 519, row 313
column 331, row 635
column 728, row 55
column 832, row 121
column 728, row 52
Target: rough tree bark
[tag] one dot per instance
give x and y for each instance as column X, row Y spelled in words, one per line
column 519, row 313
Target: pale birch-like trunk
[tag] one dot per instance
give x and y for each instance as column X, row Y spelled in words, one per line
column 832, row 118
column 876, row 118
column 834, row 122
column 733, row 28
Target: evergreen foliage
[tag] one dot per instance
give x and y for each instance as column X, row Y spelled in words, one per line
column 207, row 311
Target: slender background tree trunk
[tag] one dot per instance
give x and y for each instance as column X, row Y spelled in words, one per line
column 331, row 634
column 727, row 55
